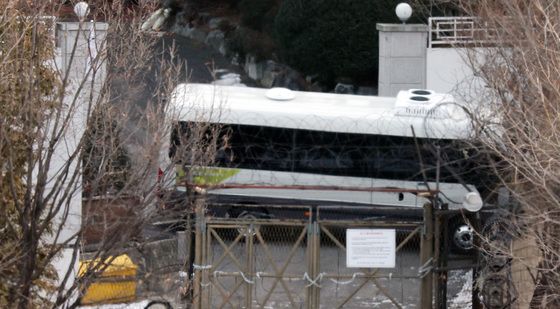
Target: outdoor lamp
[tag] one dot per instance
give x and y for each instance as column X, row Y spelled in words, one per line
column 81, row 9
column 404, row 11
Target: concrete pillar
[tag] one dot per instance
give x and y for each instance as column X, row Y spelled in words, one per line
column 75, row 67
column 66, row 35
column 76, row 60
column 402, row 57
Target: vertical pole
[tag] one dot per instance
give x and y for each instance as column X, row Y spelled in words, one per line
column 437, row 259
column 310, row 263
column 189, row 243
column 249, row 266
column 190, row 254
column 183, row 242
column 426, row 253
column 441, row 252
column 199, row 230
column 204, row 278
column 476, row 303
column 444, row 253
column 316, row 262
column 438, row 241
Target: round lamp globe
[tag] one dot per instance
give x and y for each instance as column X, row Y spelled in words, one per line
column 403, row 11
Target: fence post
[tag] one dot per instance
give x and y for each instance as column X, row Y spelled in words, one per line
column 249, row 264
column 443, row 221
column 204, row 273
column 426, row 258
column 476, row 303
column 199, row 230
column 310, row 266
column 441, row 252
column 436, row 261
column 316, row 262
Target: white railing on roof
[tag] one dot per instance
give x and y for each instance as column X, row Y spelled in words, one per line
column 449, row 31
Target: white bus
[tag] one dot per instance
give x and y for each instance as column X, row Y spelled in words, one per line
column 325, row 149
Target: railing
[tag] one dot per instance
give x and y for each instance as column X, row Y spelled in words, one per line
column 452, row 31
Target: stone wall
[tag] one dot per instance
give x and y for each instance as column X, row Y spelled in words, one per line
column 103, row 217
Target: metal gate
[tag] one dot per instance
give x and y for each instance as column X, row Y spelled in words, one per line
column 299, row 261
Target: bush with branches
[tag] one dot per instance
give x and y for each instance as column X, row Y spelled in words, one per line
column 332, row 39
column 118, row 96
column 520, row 64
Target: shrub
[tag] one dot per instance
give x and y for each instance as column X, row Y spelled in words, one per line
column 332, row 38
column 245, row 41
column 257, row 14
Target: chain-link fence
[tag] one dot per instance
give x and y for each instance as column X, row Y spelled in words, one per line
column 392, row 287
column 301, row 261
column 292, row 256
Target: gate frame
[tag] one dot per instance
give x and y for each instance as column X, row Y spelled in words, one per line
column 201, row 295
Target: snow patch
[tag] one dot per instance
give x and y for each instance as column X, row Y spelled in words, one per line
column 137, row 305
column 463, row 299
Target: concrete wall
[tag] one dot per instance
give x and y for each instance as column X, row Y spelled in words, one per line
column 449, row 70
column 104, row 217
column 406, row 62
column 74, row 33
column 402, row 57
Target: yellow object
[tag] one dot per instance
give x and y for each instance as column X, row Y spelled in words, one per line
column 204, row 176
column 117, row 283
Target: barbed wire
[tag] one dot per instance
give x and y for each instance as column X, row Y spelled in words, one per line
column 306, row 277
column 426, row 268
column 201, row 267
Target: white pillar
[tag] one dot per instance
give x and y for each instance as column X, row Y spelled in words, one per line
column 402, row 57
column 76, row 66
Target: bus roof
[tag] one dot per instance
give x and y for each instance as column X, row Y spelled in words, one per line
column 311, row 111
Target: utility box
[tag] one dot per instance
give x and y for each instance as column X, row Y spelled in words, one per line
column 116, row 284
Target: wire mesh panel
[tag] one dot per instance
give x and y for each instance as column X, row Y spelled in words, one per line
column 343, row 286
column 302, row 262
column 255, row 262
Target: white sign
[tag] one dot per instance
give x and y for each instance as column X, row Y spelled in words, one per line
column 370, row 248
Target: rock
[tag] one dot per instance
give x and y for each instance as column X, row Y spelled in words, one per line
column 253, row 68
column 271, row 71
column 161, row 20
column 228, row 79
column 344, row 88
column 287, row 77
column 216, row 39
column 214, row 23
column 156, row 20
column 315, row 87
column 189, row 32
column 220, row 72
column 182, row 30
column 149, row 23
column 197, row 35
column 204, row 17
column 235, row 59
column 362, row 90
column 279, row 75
